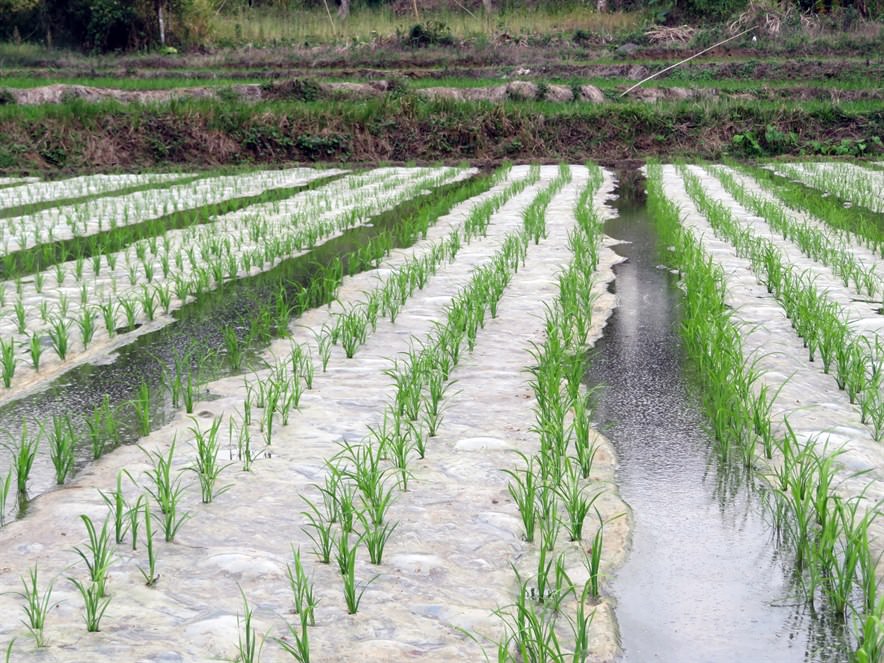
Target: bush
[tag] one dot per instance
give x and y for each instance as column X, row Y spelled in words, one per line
column 431, row 33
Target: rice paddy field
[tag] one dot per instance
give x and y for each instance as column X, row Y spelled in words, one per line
column 444, row 413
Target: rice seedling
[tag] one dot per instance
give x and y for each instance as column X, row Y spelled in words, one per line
column 86, row 324
column 24, row 456
column 593, row 560
column 102, row 428
column 20, row 316
column 7, row 361
column 304, row 600
column 575, row 500
column 548, row 516
column 62, row 443
column 60, row 336
column 109, row 315
column 167, row 492
column 118, row 507
column 134, row 517
column 97, row 554
column 531, row 630
column 248, row 647
column 206, row 465
column 35, row 350
column 299, row 648
column 320, row 531
column 345, row 555
column 128, row 307
column 36, row 607
column 523, row 489
column 94, row 604
column 150, row 574
column 5, row 485
column 233, row 349
column 375, row 536
column 142, row 407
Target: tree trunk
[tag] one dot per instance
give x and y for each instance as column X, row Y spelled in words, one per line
column 158, row 5
column 486, row 5
column 601, row 5
column 344, row 9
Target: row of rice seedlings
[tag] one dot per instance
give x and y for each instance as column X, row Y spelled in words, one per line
column 220, row 269
column 851, row 183
column 358, row 488
column 829, row 540
column 812, row 242
column 101, row 214
column 387, row 299
column 851, row 223
column 78, row 187
column 552, row 489
column 857, row 361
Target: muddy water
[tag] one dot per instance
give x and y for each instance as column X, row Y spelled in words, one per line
column 703, row 581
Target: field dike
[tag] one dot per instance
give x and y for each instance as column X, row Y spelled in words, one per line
column 446, row 567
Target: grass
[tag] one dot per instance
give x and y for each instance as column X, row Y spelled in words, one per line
column 277, row 27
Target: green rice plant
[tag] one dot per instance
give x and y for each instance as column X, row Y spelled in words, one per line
column 345, row 555
column 134, row 517
column 94, row 604
column 102, row 428
column 189, row 391
column 548, row 516
column 593, row 560
column 375, row 536
column 20, row 316
column 367, row 473
column 871, row 637
column 128, row 306
column 97, row 554
column 5, row 485
column 523, row 489
column 148, row 302
column 575, row 500
column 86, row 324
column 36, row 606
column 244, row 443
column 232, row 347
column 585, row 450
column 60, row 336
column 7, row 361
column 206, row 465
column 248, row 647
column 109, row 315
column 580, row 629
column 299, row 647
column 150, row 575
column 24, row 456
column 35, row 350
column 167, row 492
column 562, row 588
column 62, row 442
column 320, row 531
column 119, row 508
column 141, row 405
column 531, row 629
column 304, row 600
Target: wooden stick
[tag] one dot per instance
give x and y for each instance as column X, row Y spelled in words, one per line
column 673, row 66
